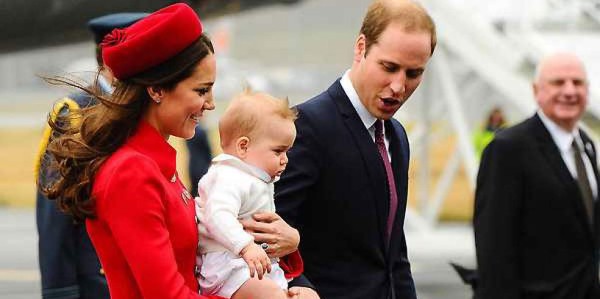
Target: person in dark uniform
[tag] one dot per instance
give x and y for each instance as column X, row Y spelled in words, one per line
column 69, row 266
column 200, row 155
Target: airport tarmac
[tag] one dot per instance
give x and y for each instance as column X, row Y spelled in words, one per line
column 430, row 251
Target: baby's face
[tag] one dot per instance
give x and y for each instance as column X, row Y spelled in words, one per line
column 268, row 150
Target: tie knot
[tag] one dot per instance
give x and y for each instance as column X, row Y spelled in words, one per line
column 379, row 129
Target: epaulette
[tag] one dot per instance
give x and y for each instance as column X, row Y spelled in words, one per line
column 64, row 106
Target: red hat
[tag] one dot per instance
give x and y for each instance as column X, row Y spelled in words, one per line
column 151, row 41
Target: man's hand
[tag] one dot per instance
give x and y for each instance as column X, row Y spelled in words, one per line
column 269, row 228
column 304, row 293
column 257, row 260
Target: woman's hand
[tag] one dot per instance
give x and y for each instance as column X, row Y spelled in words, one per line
column 304, row 293
column 269, row 228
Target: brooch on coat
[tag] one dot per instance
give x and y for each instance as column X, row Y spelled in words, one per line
column 186, row 196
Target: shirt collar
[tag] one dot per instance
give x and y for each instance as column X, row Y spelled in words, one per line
column 148, row 141
column 367, row 119
column 250, row 169
column 104, row 85
column 562, row 138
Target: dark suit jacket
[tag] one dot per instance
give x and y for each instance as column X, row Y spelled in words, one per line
column 334, row 191
column 69, row 265
column 200, row 156
column 532, row 235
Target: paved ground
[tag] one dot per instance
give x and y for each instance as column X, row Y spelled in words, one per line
column 19, row 278
column 430, row 252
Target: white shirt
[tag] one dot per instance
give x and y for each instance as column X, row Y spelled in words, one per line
column 367, row 119
column 105, row 86
column 230, row 191
column 563, row 140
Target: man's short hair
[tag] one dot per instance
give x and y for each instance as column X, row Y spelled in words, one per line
column 410, row 14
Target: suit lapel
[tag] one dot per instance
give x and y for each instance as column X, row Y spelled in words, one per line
column 370, row 155
column 399, row 150
column 552, row 154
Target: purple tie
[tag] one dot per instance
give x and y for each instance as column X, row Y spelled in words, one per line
column 389, row 173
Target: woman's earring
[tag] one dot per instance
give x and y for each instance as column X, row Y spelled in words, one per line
column 157, row 100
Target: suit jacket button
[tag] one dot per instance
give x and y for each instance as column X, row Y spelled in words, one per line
column 101, row 271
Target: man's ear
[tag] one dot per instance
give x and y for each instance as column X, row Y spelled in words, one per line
column 156, row 93
column 241, row 146
column 360, row 46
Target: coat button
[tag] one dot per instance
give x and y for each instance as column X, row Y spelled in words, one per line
column 196, row 271
column 197, row 219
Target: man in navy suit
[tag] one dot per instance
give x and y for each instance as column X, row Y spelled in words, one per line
column 200, row 157
column 346, row 181
column 536, row 212
column 69, row 265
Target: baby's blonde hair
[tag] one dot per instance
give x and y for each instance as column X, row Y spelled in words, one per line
column 245, row 112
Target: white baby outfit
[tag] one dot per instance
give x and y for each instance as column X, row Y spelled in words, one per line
column 230, row 191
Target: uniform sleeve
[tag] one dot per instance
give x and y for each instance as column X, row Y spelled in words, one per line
column 57, row 256
column 497, row 216
column 57, row 244
column 223, row 194
column 135, row 214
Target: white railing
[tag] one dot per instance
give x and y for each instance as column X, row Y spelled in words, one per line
column 503, row 61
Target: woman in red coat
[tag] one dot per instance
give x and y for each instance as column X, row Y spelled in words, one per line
column 117, row 169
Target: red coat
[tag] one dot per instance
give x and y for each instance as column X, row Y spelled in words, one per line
column 145, row 233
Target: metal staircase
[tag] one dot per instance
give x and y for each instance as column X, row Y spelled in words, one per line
column 480, row 63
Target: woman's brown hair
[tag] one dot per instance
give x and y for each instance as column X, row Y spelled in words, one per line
column 78, row 151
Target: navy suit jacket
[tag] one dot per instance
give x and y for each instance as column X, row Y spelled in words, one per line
column 200, row 157
column 334, row 191
column 532, row 235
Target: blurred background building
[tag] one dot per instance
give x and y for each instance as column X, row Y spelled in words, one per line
column 296, row 48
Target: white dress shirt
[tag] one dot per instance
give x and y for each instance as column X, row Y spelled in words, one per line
column 563, row 140
column 367, row 119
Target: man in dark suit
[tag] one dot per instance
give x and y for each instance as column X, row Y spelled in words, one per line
column 69, row 265
column 200, row 157
column 536, row 213
column 345, row 185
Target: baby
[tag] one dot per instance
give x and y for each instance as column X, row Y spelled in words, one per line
column 256, row 132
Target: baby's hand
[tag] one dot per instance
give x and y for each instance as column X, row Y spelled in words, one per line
column 257, row 260
column 293, row 293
